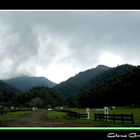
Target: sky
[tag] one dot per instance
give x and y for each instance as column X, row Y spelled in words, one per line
column 60, row 44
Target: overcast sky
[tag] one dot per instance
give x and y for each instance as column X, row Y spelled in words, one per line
column 60, row 44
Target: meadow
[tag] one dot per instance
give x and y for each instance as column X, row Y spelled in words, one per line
column 98, row 123
column 46, row 118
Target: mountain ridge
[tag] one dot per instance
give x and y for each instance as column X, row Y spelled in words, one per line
column 8, row 94
column 27, row 82
column 119, row 86
column 97, row 87
column 75, row 83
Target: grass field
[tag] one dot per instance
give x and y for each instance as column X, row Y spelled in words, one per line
column 10, row 116
column 98, row 123
column 43, row 117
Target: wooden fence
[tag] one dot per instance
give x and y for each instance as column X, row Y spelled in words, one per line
column 77, row 115
column 72, row 114
column 114, row 117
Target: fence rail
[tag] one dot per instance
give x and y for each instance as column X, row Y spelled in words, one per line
column 114, row 117
column 77, row 115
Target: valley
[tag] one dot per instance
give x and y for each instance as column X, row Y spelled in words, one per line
column 98, row 87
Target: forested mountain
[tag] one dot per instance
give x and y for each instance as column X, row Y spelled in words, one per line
column 40, row 96
column 97, row 87
column 73, row 85
column 118, row 86
column 26, row 82
column 8, row 94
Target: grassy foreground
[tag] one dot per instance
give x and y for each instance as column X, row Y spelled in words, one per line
column 10, row 116
column 52, row 118
column 98, row 123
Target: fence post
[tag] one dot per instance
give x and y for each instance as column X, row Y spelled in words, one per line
column 105, row 117
column 132, row 118
column 114, row 118
column 122, row 118
column 94, row 116
column 78, row 115
column 106, row 114
column 87, row 111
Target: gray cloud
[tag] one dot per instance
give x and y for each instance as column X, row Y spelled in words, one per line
column 52, row 43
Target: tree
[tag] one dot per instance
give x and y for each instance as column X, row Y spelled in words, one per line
column 37, row 101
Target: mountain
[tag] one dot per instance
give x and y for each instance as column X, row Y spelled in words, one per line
column 76, row 83
column 26, row 82
column 8, row 94
column 97, row 87
column 118, row 86
column 102, row 86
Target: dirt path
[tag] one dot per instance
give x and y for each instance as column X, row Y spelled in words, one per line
column 35, row 119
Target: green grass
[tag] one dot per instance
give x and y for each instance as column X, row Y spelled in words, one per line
column 56, row 115
column 12, row 115
column 135, row 111
column 82, row 122
column 62, row 116
column 99, row 123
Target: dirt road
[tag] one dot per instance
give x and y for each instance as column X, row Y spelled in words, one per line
column 35, row 119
